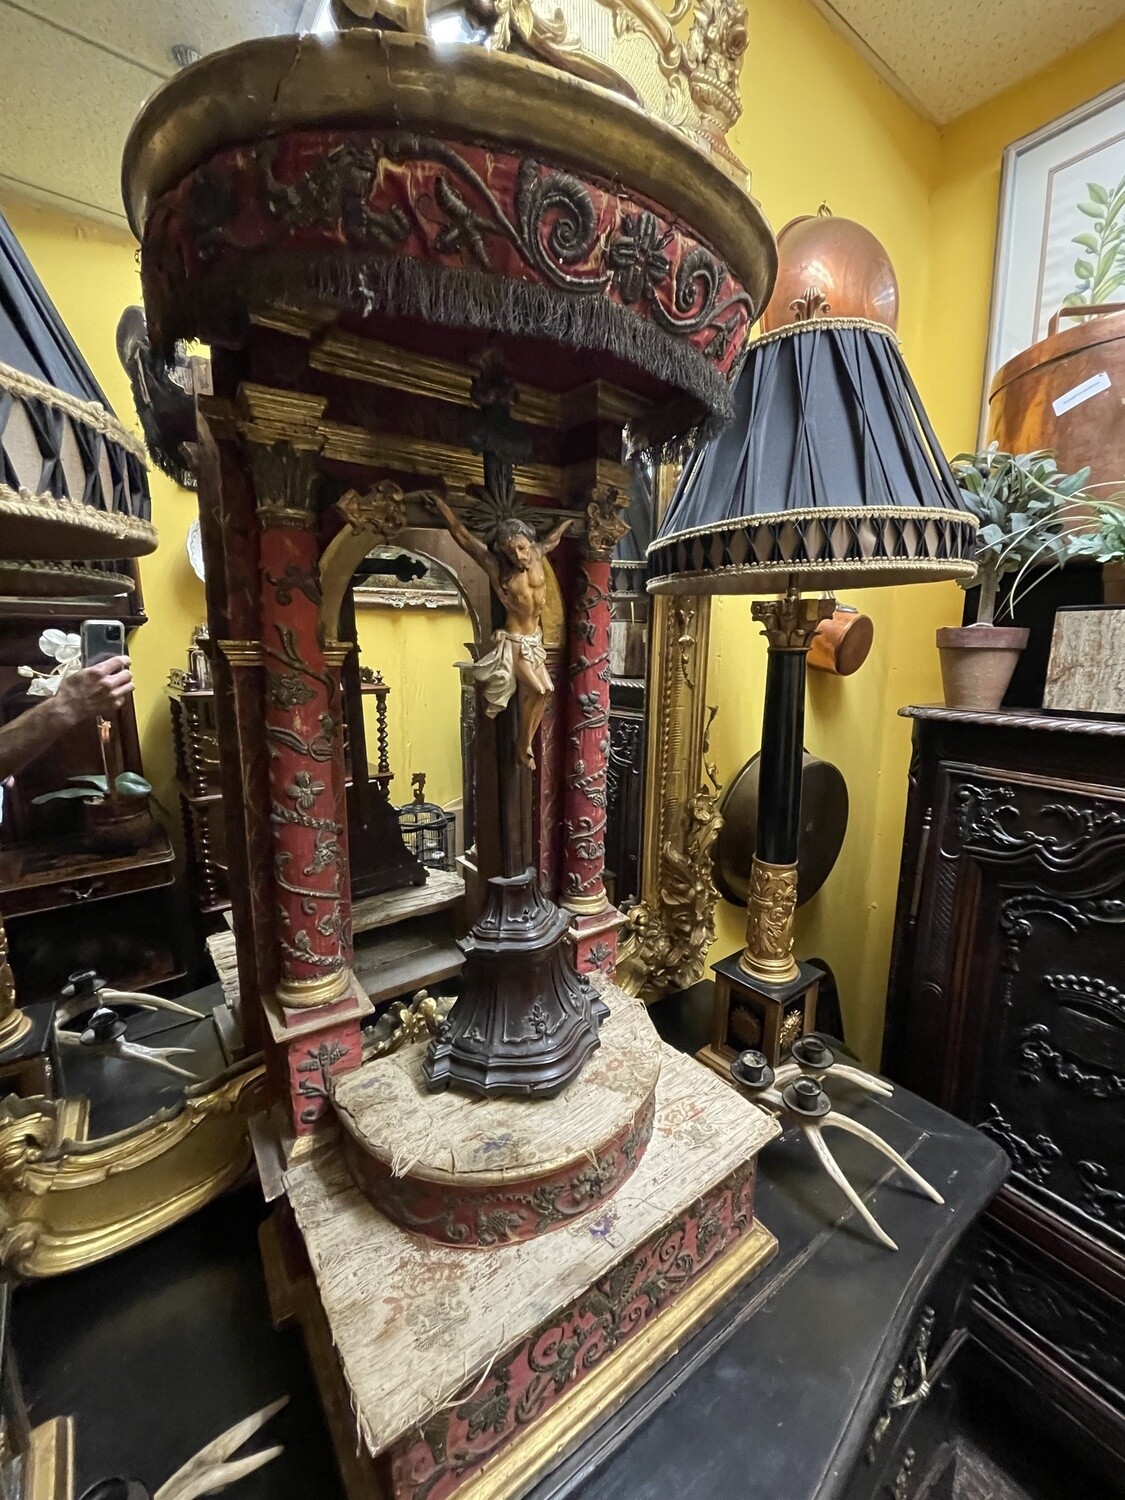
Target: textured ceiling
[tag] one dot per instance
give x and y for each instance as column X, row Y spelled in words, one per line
column 74, row 73
column 947, row 56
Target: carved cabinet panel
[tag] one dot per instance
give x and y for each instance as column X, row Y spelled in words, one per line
column 1007, row 1006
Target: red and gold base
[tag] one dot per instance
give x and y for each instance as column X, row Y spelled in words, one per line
column 312, row 1047
column 465, row 1355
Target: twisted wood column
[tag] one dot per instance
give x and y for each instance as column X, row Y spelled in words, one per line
column 303, row 715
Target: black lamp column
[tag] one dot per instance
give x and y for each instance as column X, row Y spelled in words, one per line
column 789, row 625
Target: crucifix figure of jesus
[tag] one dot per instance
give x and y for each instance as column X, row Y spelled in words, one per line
column 517, row 663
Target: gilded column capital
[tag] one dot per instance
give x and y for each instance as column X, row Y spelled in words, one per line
column 605, row 521
column 789, row 624
column 286, row 483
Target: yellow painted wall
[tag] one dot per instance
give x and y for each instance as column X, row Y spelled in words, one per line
column 415, row 651
column 818, row 124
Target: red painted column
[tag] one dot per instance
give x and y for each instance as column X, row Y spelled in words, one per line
column 587, row 750
column 314, row 1016
column 587, row 746
column 548, row 806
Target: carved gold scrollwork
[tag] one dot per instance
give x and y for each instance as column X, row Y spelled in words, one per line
column 605, row 520
column 770, row 910
column 692, row 85
column 670, row 931
column 379, row 512
column 286, row 480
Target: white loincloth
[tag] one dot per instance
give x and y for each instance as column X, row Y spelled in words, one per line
column 496, row 672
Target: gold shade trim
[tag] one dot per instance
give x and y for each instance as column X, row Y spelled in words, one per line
column 810, row 325
column 820, row 513
column 137, row 538
column 89, row 413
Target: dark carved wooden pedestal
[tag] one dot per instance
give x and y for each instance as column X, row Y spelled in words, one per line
column 526, row 1020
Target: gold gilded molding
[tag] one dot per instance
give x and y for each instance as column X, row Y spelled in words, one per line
column 357, row 358
column 670, row 931
column 458, row 467
column 49, row 1461
column 271, row 415
column 308, row 994
column 242, row 653
column 336, row 652
column 770, row 909
column 67, row 1203
column 288, row 417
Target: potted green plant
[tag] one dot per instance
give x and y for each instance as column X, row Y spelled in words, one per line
column 1021, row 500
column 1102, row 540
column 116, row 822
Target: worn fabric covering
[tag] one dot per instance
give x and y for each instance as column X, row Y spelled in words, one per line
column 413, row 1321
column 451, row 1137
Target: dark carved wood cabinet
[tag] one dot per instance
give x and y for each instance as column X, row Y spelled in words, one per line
column 1007, row 1007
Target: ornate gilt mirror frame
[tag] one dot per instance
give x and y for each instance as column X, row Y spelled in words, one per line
column 671, row 929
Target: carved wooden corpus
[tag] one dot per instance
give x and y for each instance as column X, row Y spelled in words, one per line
column 303, row 718
column 584, row 817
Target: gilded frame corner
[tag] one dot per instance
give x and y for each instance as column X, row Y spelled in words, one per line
column 67, row 1202
column 671, row 929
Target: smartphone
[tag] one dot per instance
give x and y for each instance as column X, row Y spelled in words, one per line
column 101, row 639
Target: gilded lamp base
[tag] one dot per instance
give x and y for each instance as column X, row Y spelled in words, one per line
column 771, row 908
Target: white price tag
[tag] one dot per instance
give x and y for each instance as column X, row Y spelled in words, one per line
column 1075, row 397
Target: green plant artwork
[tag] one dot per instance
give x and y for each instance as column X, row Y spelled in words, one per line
column 1100, row 271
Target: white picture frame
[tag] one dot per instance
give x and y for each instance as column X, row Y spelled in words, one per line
column 1043, row 184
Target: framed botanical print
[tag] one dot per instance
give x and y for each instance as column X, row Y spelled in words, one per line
column 1061, row 232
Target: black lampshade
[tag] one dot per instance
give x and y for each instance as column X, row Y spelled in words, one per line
column 72, row 478
column 629, row 567
column 829, row 473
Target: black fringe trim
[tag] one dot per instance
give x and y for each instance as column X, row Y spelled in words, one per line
column 216, row 307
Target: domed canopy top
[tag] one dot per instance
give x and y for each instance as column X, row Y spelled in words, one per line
column 468, row 187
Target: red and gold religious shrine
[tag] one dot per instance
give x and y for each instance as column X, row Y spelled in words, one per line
column 447, row 289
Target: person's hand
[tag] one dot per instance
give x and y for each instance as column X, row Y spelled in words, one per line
column 95, row 691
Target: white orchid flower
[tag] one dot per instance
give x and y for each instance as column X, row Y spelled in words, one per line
column 63, row 646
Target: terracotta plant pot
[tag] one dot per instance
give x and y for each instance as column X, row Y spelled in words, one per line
column 121, row 828
column 977, row 662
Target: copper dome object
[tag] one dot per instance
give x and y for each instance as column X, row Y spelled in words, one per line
column 838, row 258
